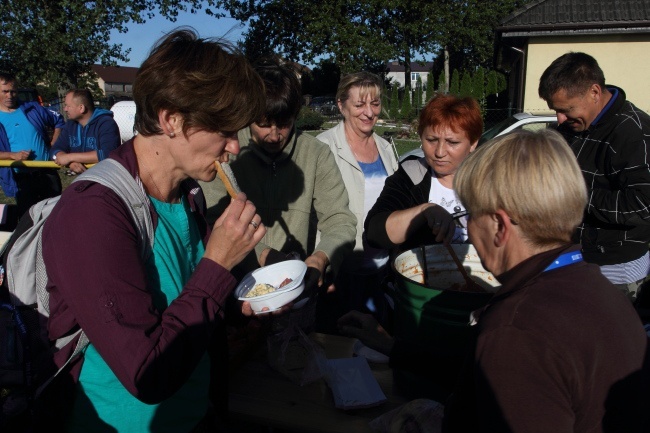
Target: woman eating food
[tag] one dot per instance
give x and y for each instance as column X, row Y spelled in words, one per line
column 152, row 318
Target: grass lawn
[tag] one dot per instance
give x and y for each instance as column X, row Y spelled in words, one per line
column 402, row 145
column 65, row 181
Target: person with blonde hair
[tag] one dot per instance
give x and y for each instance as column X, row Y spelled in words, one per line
column 365, row 160
column 558, row 347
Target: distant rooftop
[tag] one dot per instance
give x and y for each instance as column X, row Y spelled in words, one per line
column 559, row 17
column 116, row 74
column 394, row 66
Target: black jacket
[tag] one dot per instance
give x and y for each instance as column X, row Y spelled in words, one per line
column 614, row 155
column 408, row 187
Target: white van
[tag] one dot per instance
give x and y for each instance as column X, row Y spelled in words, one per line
column 124, row 115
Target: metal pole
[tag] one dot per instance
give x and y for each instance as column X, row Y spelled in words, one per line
column 32, row 164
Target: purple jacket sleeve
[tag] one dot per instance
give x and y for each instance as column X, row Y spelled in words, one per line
column 98, row 281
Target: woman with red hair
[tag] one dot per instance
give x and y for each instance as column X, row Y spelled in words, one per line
column 418, row 205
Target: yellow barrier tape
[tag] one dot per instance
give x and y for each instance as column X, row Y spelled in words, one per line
column 32, row 164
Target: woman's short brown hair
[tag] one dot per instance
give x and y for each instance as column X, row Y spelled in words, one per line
column 206, row 81
column 368, row 83
column 533, row 176
column 283, row 92
column 458, row 114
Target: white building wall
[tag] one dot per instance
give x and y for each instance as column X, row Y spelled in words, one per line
column 623, row 58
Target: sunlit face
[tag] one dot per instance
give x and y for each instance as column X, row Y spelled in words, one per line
column 73, row 108
column 361, row 114
column 576, row 112
column 197, row 155
column 444, row 150
column 8, row 96
column 271, row 137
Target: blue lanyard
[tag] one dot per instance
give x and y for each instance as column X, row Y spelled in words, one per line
column 565, row 260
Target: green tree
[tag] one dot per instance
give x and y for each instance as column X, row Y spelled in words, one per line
column 465, row 85
column 354, row 34
column 405, row 112
column 337, row 30
column 466, row 30
column 57, row 41
column 407, row 26
column 418, row 92
column 454, row 86
column 491, row 87
column 326, row 76
column 394, row 102
column 502, row 83
column 430, row 87
column 478, row 85
column 442, row 82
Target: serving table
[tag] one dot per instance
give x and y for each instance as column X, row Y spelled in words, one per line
column 259, row 394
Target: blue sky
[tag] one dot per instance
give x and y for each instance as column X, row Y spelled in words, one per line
column 141, row 37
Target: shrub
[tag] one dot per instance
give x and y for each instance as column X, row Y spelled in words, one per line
column 410, row 133
column 394, row 102
column 406, row 111
column 309, row 119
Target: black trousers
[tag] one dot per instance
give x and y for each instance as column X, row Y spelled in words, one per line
column 35, row 185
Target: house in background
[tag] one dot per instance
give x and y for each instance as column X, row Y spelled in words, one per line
column 395, row 72
column 116, row 81
column 615, row 33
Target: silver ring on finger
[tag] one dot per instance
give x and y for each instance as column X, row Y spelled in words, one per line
column 254, row 224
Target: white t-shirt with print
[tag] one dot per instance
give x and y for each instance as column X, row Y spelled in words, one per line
column 446, row 197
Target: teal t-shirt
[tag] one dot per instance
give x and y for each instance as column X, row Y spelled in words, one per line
column 102, row 404
column 23, row 136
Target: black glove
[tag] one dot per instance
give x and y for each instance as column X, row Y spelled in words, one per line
column 311, row 280
column 311, row 286
column 276, row 256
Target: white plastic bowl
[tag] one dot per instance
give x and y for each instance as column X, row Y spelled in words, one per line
column 274, row 275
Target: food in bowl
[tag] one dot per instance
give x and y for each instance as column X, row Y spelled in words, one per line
column 264, row 289
column 259, row 290
column 285, row 278
column 441, row 270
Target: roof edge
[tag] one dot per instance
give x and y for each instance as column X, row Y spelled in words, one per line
column 522, row 10
column 589, row 25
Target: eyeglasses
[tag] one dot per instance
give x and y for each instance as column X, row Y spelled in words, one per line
column 460, row 218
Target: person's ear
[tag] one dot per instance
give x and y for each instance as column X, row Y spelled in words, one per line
column 171, row 123
column 595, row 92
column 340, row 105
column 82, row 108
column 503, row 228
